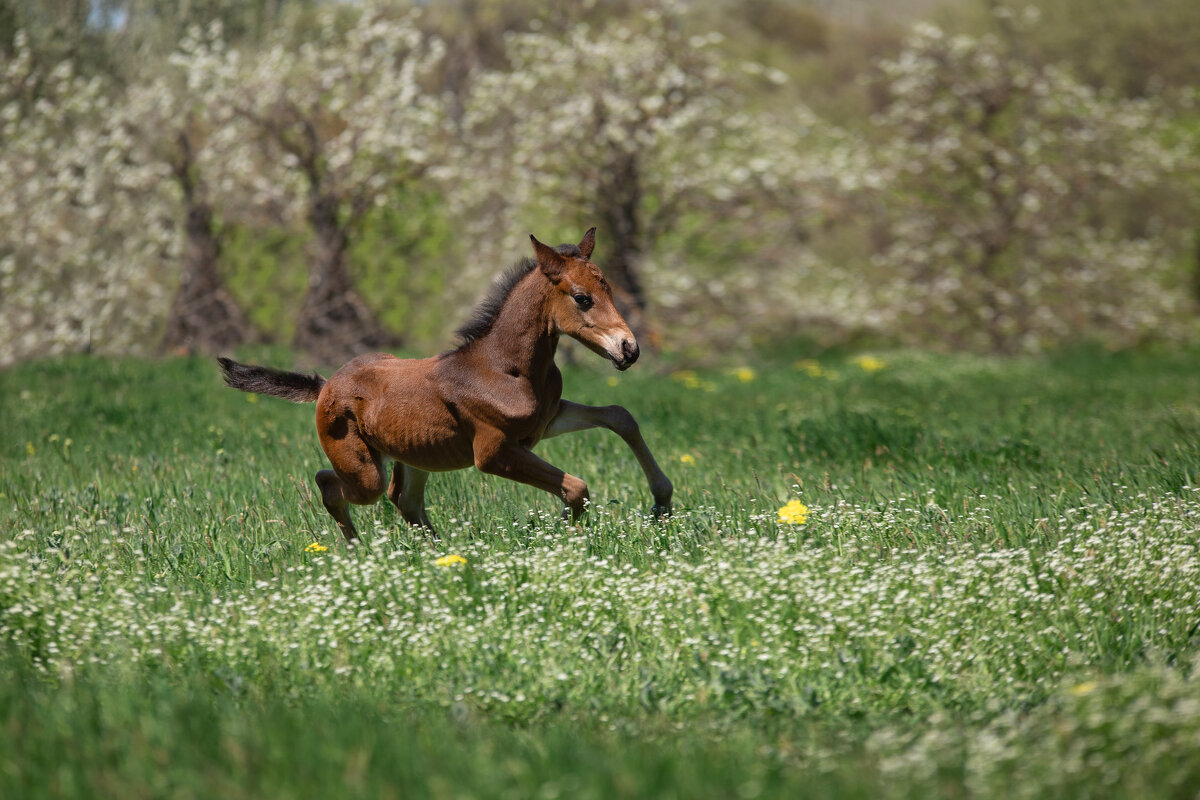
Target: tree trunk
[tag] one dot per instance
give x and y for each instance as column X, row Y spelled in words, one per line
column 621, row 229
column 334, row 323
column 204, row 316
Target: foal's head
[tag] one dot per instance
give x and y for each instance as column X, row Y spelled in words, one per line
column 581, row 301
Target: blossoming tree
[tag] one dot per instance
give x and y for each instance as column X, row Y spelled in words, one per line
column 86, row 246
column 172, row 126
column 326, row 129
column 633, row 127
column 1003, row 178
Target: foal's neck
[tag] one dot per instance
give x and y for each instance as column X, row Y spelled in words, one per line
column 524, row 337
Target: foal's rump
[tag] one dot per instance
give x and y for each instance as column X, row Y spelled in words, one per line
column 395, row 408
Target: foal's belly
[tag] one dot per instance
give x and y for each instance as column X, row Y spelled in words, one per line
column 424, row 443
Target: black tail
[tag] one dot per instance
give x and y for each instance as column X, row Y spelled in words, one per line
column 263, row 380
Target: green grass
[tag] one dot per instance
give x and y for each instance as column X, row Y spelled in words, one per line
column 996, row 592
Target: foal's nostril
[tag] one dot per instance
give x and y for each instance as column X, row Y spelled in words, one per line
column 630, row 351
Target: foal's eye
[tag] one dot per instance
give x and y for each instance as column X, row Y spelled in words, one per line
column 583, row 301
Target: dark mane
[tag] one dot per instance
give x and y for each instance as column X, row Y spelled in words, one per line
column 486, row 312
column 489, row 308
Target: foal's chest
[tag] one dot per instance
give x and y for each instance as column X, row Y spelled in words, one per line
column 545, row 407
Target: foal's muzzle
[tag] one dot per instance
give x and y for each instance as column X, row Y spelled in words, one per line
column 629, row 354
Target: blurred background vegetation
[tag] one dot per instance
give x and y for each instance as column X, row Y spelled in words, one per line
column 964, row 174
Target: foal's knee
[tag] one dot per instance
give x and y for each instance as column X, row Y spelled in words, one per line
column 331, row 489
column 575, row 496
column 364, row 492
column 621, row 422
column 336, row 491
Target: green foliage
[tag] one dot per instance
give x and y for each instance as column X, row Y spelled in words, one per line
column 1135, row 50
column 993, row 591
column 800, row 26
column 403, row 258
column 266, row 273
column 400, row 258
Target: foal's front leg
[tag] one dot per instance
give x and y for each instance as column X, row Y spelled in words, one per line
column 498, row 456
column 573, row 417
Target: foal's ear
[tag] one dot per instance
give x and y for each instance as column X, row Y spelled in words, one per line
column 588, row 243
column 551, row 263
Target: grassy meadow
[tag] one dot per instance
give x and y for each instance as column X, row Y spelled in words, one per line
column 986, row 583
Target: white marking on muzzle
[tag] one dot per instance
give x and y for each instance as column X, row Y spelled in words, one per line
column 614, row 345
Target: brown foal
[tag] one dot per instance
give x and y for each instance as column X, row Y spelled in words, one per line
column 485, row 403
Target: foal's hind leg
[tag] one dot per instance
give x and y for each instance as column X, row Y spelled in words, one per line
column 356, row 477
column 333, row 497
column 573, row 417
column 407, row 492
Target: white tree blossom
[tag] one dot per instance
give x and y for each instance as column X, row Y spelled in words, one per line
column 1009, row 188
column 643, row 129
column 86, row 244
column 175, row 126
column 325, row 129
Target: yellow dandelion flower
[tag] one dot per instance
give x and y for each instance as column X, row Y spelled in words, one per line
column 794, row 513
column 29, row 449
column 316, row 547
column 450, row 560
column 687, row 458
column 612, row 381
column 744, row 374
column 869, row 363
column 1080, row 689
